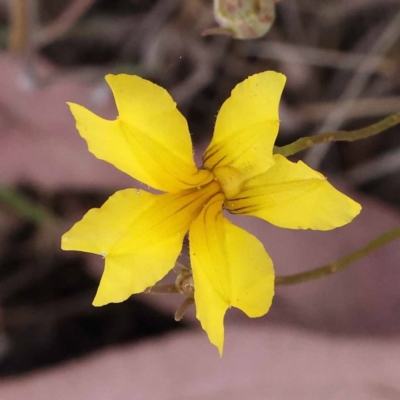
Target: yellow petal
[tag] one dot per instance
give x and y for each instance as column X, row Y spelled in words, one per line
column 292, row 195
column 140, row 236
column 149, row 140
column 247, row 125
column 230, row 268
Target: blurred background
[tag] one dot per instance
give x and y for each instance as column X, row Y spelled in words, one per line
column 338, row 337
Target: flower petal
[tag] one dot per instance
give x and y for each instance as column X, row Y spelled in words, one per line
column 293, row 195
column 230, row 268
column 140, row 236
column 149, row 141
column 247, row 126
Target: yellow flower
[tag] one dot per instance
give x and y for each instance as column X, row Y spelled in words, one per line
column 140, row 234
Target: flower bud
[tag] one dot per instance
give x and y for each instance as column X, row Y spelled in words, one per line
column 243, row 19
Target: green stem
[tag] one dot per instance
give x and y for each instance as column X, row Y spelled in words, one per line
column 340, row 264
column 22, row 205
column 338, row 136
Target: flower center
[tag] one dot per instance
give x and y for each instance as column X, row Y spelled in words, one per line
column 230, row 179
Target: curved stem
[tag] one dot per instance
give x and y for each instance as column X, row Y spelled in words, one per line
column 338, row 136
column 340, row 264
column 63, row 23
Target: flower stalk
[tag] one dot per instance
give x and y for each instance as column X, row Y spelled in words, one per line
column 341, row 263
column 338, row 136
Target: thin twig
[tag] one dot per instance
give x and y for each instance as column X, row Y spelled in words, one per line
column 24, row 23
column 332, row 13
column 148, row 29
column 376, row 168
column 292, row 22
column 320, row 57
column 340, row 264
column 338, row 136
column 63, row 23
column 19, row 27
column 367, row 107
column 371, row 62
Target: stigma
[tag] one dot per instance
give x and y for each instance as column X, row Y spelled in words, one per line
column 230, row 179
